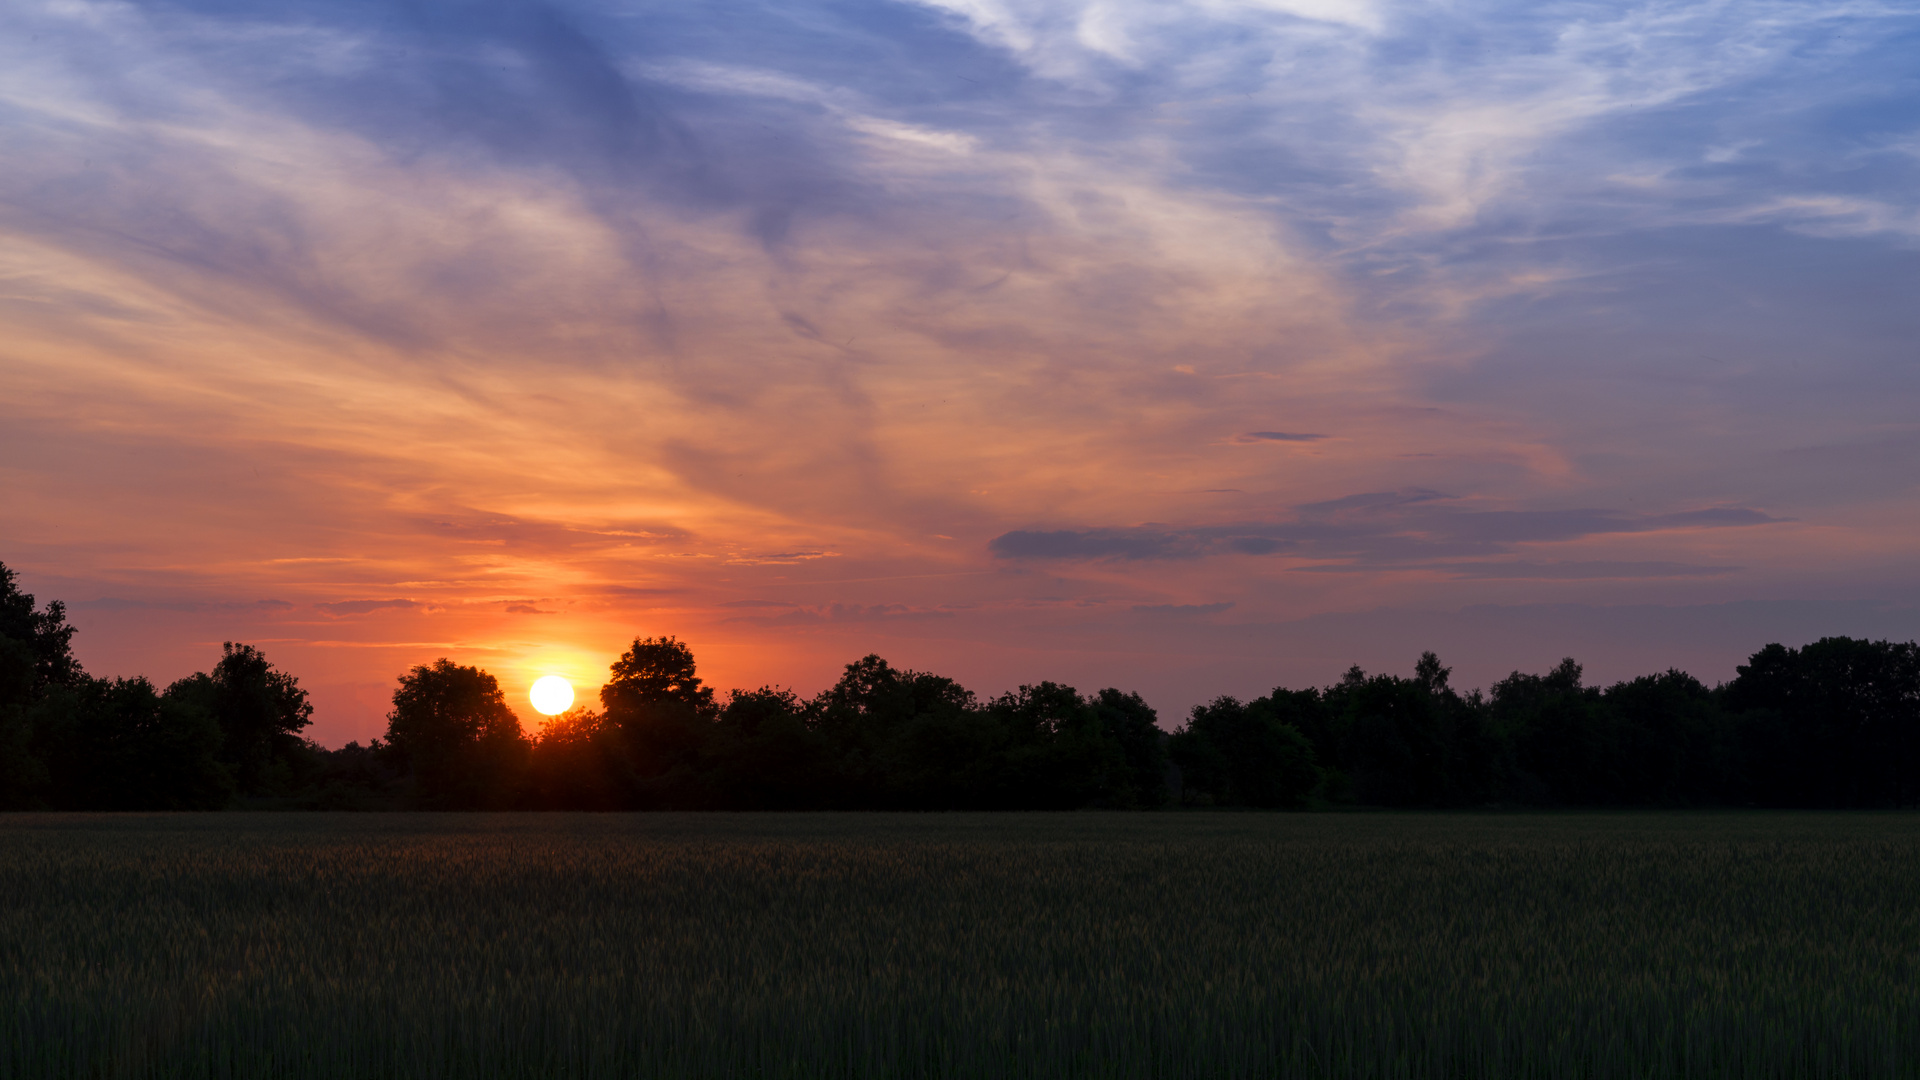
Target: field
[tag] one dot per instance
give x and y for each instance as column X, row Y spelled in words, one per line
column 1147, row 945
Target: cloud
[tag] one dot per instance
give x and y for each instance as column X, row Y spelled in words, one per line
column 1371, row 500
column 1181, row 611
column 115, row 603
column 1143, row 542
column 537, row 534
column 1584, row 571
column 526, row 609
column 781, row 558
column 1374, row 528
column 362, row 607
column 1283, row 436
column 846, row 613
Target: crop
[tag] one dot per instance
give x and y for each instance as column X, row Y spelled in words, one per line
column 1143, row 945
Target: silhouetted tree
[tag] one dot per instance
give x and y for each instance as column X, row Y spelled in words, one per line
column 119, row 745
column 260, row 710
column 451, row 726
column 36, row 663
column 653, row 671
column 1232, row 754
column 905, row 738
column 353, row 777
column 770, row 756
column 44, row 632
column 1834, row 723
column 1563, row 745
column 23, row 776
column 1130, row 724
column 1678, row 743
column 664, row 717
column 1412, row 742
column 578, row 764
column 1059, row 754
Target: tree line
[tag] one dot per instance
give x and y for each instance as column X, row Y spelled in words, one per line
column 1832, row 724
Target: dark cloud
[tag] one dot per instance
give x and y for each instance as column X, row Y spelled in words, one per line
column 846, row 613
column 1284, row 436
column 1581, row 571
column 361, row 607
column 1371, row 500
column 1180, row 611
column 1375, row 528
column 115, row 603
column 1707, row 519
column 1143, row 542
column 526, row 609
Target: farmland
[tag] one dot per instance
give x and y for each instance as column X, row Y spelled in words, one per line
column 1128, row 945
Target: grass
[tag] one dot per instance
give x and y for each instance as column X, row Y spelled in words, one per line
column 1147, row 945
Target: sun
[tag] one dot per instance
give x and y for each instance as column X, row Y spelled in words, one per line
column 552, row 695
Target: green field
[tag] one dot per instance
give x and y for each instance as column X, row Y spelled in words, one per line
column 1144, row 945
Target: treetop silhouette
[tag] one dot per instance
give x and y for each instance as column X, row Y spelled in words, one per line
column 1832, row 723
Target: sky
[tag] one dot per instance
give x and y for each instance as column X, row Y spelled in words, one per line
column 1193, row 347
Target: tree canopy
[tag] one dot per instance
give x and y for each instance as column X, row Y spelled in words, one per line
column 452, row 728
column 260, row 712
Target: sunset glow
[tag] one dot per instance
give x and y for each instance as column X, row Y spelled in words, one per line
column 1193, row 348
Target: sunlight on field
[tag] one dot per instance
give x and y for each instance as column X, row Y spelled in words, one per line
column 1203, row 945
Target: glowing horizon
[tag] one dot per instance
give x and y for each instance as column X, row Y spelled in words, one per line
column 1190, row 348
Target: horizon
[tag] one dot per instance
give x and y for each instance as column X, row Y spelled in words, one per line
column 585, row 689
column 1191, row 350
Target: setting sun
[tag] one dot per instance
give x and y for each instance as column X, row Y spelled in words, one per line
column 552, row 695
